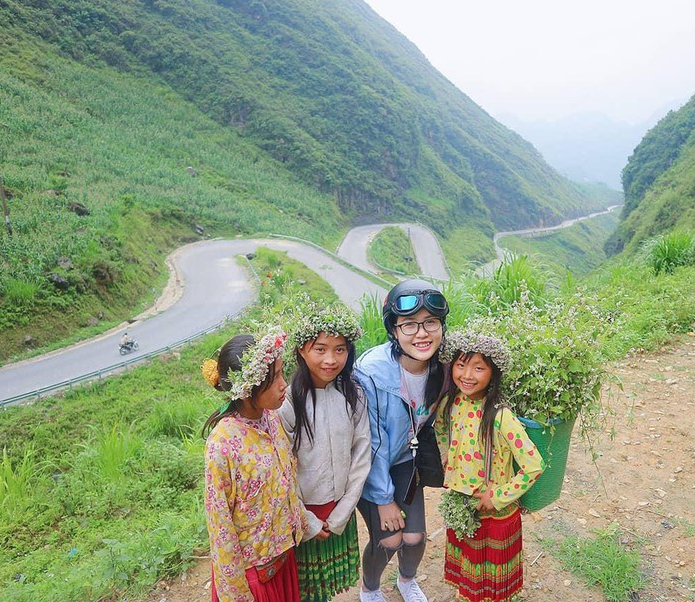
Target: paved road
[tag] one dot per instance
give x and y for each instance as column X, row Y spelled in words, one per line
column 216, row 287
column 489, row 268
column 428, row 253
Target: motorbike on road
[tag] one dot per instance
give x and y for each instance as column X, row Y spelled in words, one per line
column 127, row 347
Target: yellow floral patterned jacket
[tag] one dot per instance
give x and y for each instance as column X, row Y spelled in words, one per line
column 251, row 504
column 457, row 436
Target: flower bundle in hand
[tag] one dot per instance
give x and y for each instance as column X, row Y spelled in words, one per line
column 459, row 512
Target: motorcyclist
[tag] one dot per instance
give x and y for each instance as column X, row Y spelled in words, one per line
column 126, row 340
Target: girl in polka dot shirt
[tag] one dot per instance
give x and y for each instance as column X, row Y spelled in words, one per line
column 472, row 424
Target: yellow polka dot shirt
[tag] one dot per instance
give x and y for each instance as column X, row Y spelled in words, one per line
column 457, row 436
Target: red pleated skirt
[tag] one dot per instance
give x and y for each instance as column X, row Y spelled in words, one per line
column 283, row 587
column 489, row 566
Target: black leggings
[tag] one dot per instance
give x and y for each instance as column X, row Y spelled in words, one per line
column 375, row 556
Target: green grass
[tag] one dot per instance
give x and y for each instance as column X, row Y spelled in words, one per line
column 468, row 247
column 16, row 480
column 64, row 142
column 578, row 249
column 102, row 485
column 392, row 251
column 603, row 561
column 669, row 251
column 101, row 488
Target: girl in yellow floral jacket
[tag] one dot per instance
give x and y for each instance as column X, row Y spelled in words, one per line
column 253, row 513
column 480, row 440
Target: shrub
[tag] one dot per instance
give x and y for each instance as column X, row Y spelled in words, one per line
column 512, row 278
column 557, row 366
column 666, row 253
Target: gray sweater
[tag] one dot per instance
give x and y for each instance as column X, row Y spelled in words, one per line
column 335, row 465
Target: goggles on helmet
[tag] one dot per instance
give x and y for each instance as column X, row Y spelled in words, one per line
column 410, row 303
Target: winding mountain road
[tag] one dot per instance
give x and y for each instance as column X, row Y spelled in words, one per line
column 215, row 287
column 489, row 268
column 428, row 253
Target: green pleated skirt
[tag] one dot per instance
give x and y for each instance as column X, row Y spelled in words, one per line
column 330, row 566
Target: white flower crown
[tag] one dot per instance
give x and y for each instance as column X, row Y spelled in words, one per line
column 460, row 341
column 255, row 363
column 335, row 320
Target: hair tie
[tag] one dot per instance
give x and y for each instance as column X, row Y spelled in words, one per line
column 224, row 407
column 210, row 372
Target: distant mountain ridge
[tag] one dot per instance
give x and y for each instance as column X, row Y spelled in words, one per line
column 588, row 146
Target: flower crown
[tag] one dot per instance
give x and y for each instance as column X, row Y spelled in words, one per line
column 467, row 341
column 255, row 364
column 335, row 320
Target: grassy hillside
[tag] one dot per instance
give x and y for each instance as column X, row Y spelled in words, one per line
column 658, row 182
column 101, row 489
column 129, row 127
column 329, row 89
column 119, row 147
column 577, row 249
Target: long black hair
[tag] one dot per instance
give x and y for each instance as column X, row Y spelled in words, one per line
column 302, row 387
column 493, row 394
column 229, row 360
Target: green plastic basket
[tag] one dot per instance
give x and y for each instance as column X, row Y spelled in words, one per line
column 553, row 443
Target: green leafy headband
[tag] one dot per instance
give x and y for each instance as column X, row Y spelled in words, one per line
column 336, row 319
column 255, row 365
column 460, row 341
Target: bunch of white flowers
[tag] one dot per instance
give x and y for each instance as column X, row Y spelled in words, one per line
column 459, row 513
column 308, row 319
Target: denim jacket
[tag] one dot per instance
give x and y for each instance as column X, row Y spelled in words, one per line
column 389, row 419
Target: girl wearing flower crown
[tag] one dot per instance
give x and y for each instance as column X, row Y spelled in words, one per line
column 253, row 512
column 480, row 439
column 326, row 418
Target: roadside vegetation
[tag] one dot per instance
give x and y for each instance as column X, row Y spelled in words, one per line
column 100, row 488
column 603, row 561
column 392, row 251
column 577, row 249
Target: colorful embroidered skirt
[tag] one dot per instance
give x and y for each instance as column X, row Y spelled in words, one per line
column 283, row 587
column 487, row 567
column 330, row 566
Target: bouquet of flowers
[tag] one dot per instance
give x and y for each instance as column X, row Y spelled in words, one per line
column 459, row 512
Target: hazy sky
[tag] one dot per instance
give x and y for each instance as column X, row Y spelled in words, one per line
column 544, row 59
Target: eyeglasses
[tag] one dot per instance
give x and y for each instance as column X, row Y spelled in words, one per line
column 409, row 304
column 429, row 325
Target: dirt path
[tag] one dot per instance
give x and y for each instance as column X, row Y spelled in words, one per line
column 646, row 487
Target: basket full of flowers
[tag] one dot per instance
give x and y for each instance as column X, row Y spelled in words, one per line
column 554, row 381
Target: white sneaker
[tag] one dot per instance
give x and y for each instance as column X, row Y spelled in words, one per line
column 375, row 596
column 411, row 591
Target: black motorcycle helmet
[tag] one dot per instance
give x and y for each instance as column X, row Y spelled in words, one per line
column 409, row 297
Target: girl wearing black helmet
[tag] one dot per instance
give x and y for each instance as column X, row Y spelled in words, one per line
column 402, row 380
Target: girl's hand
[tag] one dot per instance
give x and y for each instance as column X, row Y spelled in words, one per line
column 391, row 518
column 485, row 498
column 324, row 532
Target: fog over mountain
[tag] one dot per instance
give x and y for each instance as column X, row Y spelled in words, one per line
column 589, row 146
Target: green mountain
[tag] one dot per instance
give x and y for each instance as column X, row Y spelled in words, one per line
column 658, row 182
column 126, row 127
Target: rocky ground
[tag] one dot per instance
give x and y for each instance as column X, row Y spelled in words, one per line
column 643, row 483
